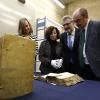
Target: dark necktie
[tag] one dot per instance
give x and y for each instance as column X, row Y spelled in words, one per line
column 81, row 46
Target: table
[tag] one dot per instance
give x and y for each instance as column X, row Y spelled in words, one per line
column 88, row 90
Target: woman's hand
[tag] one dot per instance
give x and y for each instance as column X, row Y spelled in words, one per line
column 57, row 63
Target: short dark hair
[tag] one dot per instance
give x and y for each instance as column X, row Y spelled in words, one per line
column 49, row 30
column 21, row 26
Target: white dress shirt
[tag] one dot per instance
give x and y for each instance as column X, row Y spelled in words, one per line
column 84, row 54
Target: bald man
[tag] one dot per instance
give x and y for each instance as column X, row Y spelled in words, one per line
column 89, row 44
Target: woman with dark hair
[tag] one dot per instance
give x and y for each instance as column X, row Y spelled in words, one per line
column 25, row 28
column 50, row 52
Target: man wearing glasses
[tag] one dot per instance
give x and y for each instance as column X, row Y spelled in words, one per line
column 70, row 44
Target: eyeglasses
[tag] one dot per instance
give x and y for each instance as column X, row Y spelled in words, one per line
column 66, row 24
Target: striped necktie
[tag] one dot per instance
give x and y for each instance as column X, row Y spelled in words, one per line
column 69, row 42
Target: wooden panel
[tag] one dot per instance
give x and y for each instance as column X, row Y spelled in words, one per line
column 17, row 64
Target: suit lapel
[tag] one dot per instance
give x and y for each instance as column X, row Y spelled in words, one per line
column 75, row 38
column 88, row 31
column 65, row 38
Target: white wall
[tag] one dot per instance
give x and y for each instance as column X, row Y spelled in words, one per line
column 12, row 10
column 10, row 13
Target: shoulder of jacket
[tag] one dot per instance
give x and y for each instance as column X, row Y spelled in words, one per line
column 95, row 22
column 77, row 30
column 62, row 34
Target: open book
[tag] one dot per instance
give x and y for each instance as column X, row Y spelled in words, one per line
column 66, row 78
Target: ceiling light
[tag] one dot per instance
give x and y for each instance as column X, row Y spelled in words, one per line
column 59, row 3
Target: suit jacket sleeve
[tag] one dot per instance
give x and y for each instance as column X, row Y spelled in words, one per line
column 42, row 57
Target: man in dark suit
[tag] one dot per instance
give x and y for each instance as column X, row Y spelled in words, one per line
column 91, row 44
column 70, row 43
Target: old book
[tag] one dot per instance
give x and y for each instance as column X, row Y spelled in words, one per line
column 65, row 79
column 17, row 58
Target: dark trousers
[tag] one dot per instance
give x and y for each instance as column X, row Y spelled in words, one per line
column 88, row 74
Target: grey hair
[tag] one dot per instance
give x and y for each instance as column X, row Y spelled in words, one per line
column 66, row 17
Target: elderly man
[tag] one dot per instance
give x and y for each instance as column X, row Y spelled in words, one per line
column 70, row 43
column 89, row 48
